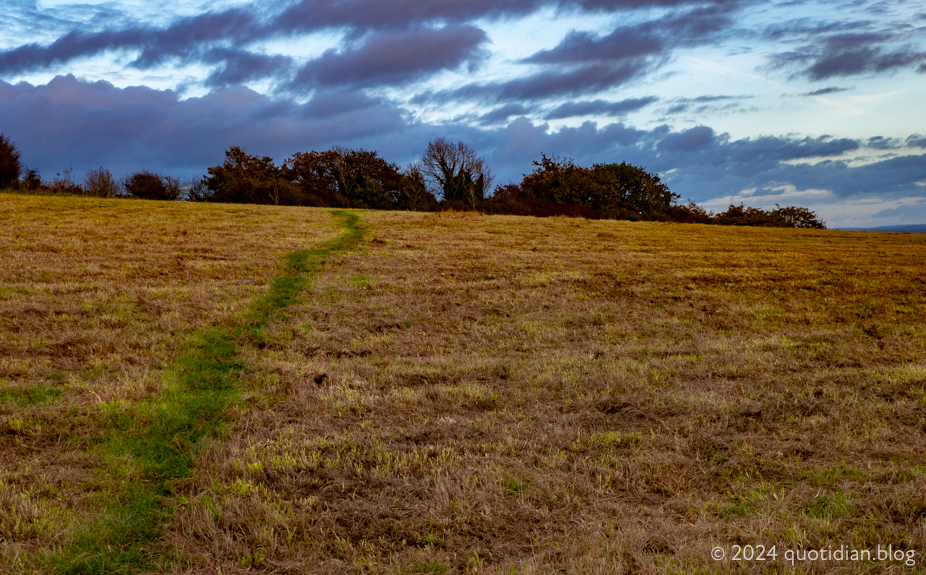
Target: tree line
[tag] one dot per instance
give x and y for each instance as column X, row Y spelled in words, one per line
column 449, row 175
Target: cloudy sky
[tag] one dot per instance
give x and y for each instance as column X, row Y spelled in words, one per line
column 814, row 103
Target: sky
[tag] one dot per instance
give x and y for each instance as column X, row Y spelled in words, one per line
column 820, row 104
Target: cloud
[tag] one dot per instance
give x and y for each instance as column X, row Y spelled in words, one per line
column 99, row 29
column 917, row 210
column 851, row 48
column 599, row 108
column 650, row 38
column 825, row 91
column 181, row 39
column 311, row 15
column 502, row 113
column 581, row 47
column 400, row 14
column 240, row 66
column 579, row 81
column 706, row 103
column 584, row 64
column 392, row 58
column 882, row 143
column 71, row 123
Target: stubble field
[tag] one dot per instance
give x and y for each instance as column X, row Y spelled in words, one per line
column 459, row 393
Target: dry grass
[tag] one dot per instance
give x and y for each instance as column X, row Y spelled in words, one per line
column 96, row 299
column 476, row 394
column 502, row 394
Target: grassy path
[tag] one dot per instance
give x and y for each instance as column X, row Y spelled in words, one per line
column 151, row 445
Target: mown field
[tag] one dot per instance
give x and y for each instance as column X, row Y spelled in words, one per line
column 195, row 388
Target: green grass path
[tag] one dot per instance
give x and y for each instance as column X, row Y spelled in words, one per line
column 151, row 445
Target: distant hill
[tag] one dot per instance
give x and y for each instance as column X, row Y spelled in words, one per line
column 909, row 229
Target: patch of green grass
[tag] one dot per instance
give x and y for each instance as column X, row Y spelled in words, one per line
column 361, row 280
column 513, row 485
column 431, row 567
column 829, row 508
column 30, row 394
column 8, row 292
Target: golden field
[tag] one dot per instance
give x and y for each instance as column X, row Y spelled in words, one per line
column 463, row 393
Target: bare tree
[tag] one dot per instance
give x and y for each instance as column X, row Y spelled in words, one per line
column 456, row 172
column 101, row 183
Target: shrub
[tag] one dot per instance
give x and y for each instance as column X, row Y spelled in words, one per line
column 349, row 178
column 32, row 182
column 100, row 182
column 10, row 164
column 64, row 184
column 148, row 186
column 690, row 213
column 414, row 195
column 611, row 190
column 243, row 178
column 787, row 217
column 797, row 217
column 196, row 191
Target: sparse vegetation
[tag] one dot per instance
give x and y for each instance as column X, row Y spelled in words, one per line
column 464, row 394
column 101, row 183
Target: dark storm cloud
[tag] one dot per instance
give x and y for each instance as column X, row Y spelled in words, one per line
column 585, row 64
column 337, row 103
column 181, row 39
column 700, row 164
column 311, row 15
column 239, row 66
column 191, row 37
column 862, row 60
column 599, row 108
column 502, row 113
column 583, row 80
column 308, row 15
column 392, row 58
column 633, row 42
column 882, row 143
column 614, row 5
column 70, row 123
column 573, row 81
column 841, row 49
column 761, row 153
column 581, row 47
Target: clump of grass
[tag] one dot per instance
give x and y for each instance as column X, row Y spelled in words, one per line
column 34, row 394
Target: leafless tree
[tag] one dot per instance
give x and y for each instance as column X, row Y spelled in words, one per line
column 100, row 182
column 455, row 171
